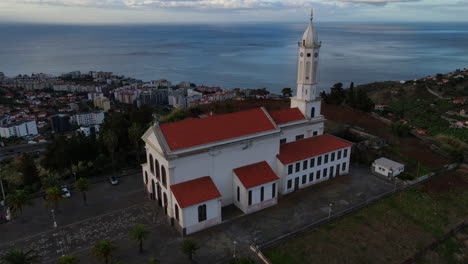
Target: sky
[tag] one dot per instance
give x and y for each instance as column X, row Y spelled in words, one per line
column 228, row 11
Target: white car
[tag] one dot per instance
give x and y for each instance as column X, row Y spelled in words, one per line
column 113, row 180
column 66, row 192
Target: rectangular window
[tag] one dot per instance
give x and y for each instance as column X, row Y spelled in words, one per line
column 319, row 161
column 304, row 165
column 298, row 166
column 273, row 190
column 344, row 166
column 290, row 169
column 250, row 197
column 338, row 168
column 289, row 184
column 331, row 171
column 304, row 179
column 315, row 133
column 326, row 159
column 282, row 141
column 176, row 212
column 238, row 194
column 333, row 156
column 201, row 213
column 299, row 137
column 339, row 154
column 345, row 154
column 325, row 172
column 311, row 177
column 312, row 162
column 262, row 193
column 317, row 176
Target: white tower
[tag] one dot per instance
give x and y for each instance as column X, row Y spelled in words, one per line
column 307, row 75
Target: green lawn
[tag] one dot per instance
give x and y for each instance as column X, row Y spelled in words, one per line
column 387, row 232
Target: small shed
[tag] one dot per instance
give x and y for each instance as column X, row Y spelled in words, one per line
column 387, row 168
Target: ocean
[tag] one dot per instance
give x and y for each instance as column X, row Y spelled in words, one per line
column 236, row 55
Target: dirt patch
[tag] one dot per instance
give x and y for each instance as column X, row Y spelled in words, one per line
column 411, row 146
column 452, row 181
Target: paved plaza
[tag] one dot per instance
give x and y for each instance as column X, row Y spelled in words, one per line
column 128, row 206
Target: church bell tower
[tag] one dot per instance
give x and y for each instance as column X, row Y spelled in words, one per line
column 307, row 74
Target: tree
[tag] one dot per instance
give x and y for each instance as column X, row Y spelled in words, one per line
column 57, row 156
column 17, row 200
column 54, row 194
column 18, row 256
column 350, row 98
column 286, row 92
column 68, row 260
column 103, row 250
column 82, row 184
column 135, row 132
column 242, row 260
column 29, row 170
column 111, row 141
column 138, row 234
column 336, row 95
column 363, row 102
column 189, row 248
column 153, row 261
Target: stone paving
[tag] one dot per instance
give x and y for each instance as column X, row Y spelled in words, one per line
column 217, row 244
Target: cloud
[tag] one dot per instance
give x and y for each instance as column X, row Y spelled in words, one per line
column 377, row 2
column 197, row 4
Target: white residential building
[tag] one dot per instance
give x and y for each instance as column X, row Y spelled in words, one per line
column 89, row 118
column 387, row 168
column 196, row 166
column 19, row 129
column 89, row 129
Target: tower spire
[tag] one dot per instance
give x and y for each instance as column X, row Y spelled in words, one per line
column 311, row 14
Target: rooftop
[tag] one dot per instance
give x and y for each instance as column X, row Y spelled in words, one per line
column 310, row 147
column 196, row 132
column 388, row 163
column 195, row 191
column 255, row 174
column 287, row 115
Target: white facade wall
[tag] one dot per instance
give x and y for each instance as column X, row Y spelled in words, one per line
column 190, row 216
column 20, row 130
column 243, row 201
column 84, row 119
column 386, row 171
column 220, row 163
column 291, row 132
column 343, row 163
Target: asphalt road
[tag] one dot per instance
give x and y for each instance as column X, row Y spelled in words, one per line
column 13, row 151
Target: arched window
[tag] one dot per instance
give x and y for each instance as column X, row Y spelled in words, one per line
column 301, row 70
column 202, row 213
column 262, row 193
column 303, row 42
column 146, row 177
column 308, row 70
column 312, row 112
column 176, row 209
column 156, row 164
column 151, row 163
column 153, row 190
column 163, row 176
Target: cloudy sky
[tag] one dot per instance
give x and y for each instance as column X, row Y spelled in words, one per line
column 216, row 11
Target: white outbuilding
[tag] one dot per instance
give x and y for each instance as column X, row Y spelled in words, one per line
column 387, row 168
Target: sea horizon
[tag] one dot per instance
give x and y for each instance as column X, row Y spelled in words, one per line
column 237, row 55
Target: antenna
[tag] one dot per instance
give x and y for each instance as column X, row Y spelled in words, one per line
column 311, row 14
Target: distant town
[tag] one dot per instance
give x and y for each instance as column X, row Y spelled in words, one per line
column 38, row 105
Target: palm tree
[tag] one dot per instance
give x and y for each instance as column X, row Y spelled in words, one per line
column 134, row 133
column 18, row 256
column 189, row 248
column 54, row 194
column 111, row 141
column 138, row 234
column 103, row 249
column 68, row 260
column 286, row 92
column 82, row 184
column 17, row 200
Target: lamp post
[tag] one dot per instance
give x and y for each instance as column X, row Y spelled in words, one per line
column 53, row 217
column 235, row 245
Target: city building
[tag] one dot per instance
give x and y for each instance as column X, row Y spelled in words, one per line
column 102, row 103
column 199, row 165
column 60, row 123
column 89, row 118
column 19, row 129
column 156, row 97
column 387, row 168
column 89, row 130
column 161, row 83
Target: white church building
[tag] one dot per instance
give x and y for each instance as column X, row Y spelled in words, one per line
column 247, row 158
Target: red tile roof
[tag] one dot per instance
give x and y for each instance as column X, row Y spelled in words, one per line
column 255, row 174
column 196, row 132
column 310, row 147
column 287, row 115
column 195, row 191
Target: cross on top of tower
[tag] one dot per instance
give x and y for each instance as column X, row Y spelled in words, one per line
column 311, row 14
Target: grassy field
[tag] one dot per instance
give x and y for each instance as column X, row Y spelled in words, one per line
column 389, row 231
column 451, row 251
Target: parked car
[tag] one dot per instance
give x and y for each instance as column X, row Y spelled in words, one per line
column 113, row 180
column 66, row 192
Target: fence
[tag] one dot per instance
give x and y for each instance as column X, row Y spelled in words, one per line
column 344, row 212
